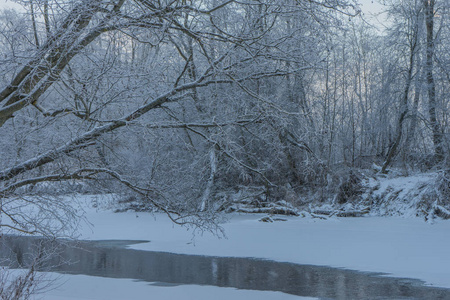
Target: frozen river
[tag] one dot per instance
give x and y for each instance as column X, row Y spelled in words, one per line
column 111, row 259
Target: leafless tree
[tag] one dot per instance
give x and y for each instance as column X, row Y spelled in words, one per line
column 100, row 74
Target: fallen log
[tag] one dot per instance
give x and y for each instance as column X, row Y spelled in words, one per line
column 352, row 213
column 441, row 212
column 269, row 219
column 341, row 213
column 318, row 216
column 264, row 210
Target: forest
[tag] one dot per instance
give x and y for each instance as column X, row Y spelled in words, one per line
column 188, row 107
column 180, row 106
column 193, row 108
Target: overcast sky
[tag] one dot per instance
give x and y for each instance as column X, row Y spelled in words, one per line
column 8, row 4
column 367, row 5
column 372, row 12
column 369, row 8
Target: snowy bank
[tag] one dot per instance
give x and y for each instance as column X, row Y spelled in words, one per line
column 402, row 247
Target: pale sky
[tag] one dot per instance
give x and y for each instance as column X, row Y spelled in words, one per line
column 8, row 4
column 368, row 6
column 371, row 10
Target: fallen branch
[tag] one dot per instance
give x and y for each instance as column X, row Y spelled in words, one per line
column 341, row 213
column 269, row 219
column 352, row 213
column 318, row 216
column 441, row 211
column 264, row 210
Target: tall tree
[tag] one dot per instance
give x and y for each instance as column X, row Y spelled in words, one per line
column 411, row 13
column 86, row 97
column 429, row 9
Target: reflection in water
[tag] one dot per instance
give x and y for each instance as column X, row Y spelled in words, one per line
column 110, row 259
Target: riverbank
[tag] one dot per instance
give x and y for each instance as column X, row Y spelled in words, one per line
column 400, row 247
column 404, row 247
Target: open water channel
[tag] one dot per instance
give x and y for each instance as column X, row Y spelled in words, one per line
column 113, row 259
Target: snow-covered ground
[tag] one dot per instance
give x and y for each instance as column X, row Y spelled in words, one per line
column 402, row 247
column 397, row 246
column 403, row 195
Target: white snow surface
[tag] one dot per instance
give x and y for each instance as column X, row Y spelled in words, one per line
column 400, row 247
column 402, row 195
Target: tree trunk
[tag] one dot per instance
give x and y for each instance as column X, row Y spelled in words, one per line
column 415, row 106
column 431, row 86
column 210, row 183
column 404, row 101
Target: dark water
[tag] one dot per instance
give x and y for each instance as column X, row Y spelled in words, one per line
column 111, row 259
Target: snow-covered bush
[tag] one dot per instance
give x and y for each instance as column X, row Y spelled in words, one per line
column 350, row 188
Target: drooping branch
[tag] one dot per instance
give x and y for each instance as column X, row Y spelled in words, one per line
column 36, row 77
column 89, row 174
column 89, row 137
column 201, row 125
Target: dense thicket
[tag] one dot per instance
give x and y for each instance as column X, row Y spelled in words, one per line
column 186, row 104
